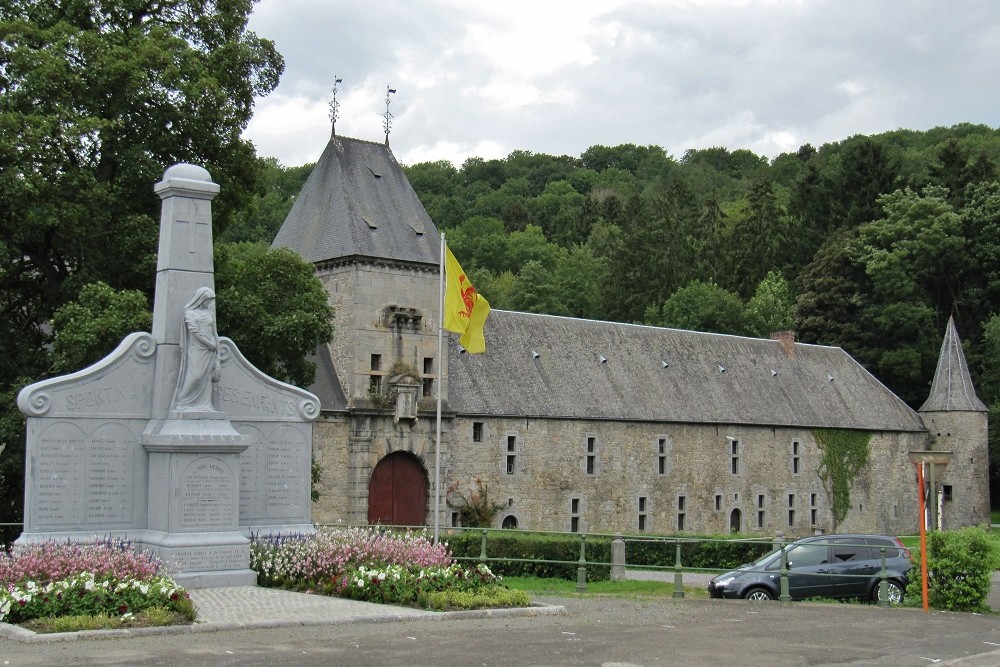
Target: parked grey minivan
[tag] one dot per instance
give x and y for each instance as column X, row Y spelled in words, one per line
column 828, row 566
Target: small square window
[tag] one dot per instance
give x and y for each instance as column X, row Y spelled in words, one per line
column 946, row 492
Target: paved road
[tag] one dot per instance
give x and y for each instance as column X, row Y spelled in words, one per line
column 609, row 632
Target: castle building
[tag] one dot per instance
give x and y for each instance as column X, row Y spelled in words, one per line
column 590, row 426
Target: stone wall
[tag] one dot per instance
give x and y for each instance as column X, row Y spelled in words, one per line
column 385, row 310
column 967, row 476
column 550, row 484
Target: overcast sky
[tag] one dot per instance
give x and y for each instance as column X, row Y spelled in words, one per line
column 484, row 78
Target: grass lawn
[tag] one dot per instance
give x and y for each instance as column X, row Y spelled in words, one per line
column 631, row 589
column 995, row 516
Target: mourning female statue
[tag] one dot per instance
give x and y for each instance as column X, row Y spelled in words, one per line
column 199, row 355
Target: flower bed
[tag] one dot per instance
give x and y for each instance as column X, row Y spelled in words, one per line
column 377, row 566
column 52, row 580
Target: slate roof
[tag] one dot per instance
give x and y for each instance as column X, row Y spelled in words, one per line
column 326, row 386
column 550, row 367
column 952, row 386
column 357, row 202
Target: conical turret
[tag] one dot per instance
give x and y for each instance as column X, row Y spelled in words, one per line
column 952, row 388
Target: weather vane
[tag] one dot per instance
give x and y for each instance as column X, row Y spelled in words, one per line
column 334, row 107
column 387, row 122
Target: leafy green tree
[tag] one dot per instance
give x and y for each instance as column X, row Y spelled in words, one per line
column 770, row 308
column 700, row 306
column 480, row 242
column 272, row 307
column 536, row 290
column 261, row 218
column 90, row 327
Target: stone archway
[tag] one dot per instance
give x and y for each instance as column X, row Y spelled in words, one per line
column 397, row 491
column 736, row 521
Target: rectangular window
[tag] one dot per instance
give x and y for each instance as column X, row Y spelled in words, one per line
column 428, row 365
column 511, row 454
column 681, row 501
column 574, row 515
column 734, row 457
column 812, row 499
column 718, row 501
column 791, row 500
column 375, row 381
column 812, row 516
column 428, row 387
column 680, row 521
column 642, row 512
column 791, row 517
column 591, row 466
column 477, row 431
column 947, row 492
column 760, row 501
column 454, row 519
column 760, row 518
column 642, row 522
column 661, row 456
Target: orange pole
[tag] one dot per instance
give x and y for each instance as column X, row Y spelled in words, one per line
column 923, row 535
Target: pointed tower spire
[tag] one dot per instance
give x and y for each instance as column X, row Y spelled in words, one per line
column 952, row 388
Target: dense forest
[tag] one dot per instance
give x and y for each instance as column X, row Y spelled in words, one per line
column 869, row 243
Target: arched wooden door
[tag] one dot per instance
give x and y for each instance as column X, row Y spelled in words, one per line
column 735, row 521
column 397, row 492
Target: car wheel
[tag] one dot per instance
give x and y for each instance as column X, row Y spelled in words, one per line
column 758, row 594
column 894, row 592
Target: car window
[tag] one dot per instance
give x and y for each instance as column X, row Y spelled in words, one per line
column 804, row 555
column 848, row 549
column 878, row 542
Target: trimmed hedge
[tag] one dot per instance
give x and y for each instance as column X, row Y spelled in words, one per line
column 721, row 552
column 510, row 544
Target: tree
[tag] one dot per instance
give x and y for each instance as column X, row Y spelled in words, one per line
column 770, row 308
column 700, row 306
column 272, row 307
column 89, row 328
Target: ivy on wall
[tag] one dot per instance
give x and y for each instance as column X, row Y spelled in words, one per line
column 843, row 454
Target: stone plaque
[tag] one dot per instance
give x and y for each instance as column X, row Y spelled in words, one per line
column 253, row 475
column 109, row 455
column 288, row 456
column 58, row 469
column 207, row 494
column 201, row 559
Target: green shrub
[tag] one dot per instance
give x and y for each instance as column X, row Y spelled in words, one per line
column 960, row 565
column 507, row 550
column 708, row 552
column 483, row 599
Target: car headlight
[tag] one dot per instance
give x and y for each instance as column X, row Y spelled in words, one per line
column 725, row 581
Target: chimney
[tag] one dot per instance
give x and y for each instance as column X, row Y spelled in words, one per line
column 787, row 341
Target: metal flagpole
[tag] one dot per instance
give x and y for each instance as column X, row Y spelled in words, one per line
column 440, row 381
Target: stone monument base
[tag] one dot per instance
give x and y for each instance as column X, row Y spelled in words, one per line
column 206, row 559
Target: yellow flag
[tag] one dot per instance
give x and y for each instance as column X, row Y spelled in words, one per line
column 465, row 309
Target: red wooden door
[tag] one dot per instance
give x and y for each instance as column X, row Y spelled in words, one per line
column 397, row 492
